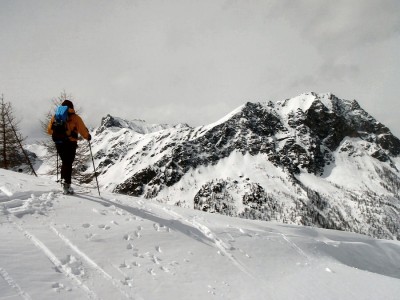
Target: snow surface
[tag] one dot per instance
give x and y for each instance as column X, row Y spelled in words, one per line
column 118, row 247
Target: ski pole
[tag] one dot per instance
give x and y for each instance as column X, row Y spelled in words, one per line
column 95, row 173
column 57, row 166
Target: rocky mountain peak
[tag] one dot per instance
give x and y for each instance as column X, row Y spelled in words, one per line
column 110, row 121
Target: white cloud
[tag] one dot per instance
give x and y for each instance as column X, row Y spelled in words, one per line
column 194, row 61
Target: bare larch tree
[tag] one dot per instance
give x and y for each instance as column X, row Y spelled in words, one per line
column 13, row 154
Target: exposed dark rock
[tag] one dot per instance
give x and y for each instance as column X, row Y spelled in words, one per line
column 134, row 186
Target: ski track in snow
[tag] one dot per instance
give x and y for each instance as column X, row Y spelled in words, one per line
column 295, row 246
column 56, row 262
column 10, row 281
column 91, row 262
column 220, row 245
column 17, row 206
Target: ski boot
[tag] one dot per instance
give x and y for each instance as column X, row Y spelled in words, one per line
column 67, row 189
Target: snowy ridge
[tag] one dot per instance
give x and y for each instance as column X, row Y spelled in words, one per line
column 304, row 102
column 138, row 126
column 87, row 247
column 204, row 129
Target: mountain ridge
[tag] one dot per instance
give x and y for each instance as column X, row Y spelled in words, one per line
column 312, row 160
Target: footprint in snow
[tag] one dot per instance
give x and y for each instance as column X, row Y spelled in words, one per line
column 127, row 281
column 104, row 212
column 59, row 287
column 165, row 269
column 211, row 290
column 104, row 227
column 114, row 222
column 225, row 283
column 151, row 272
column 89, row 236
column 124, row 265
column 86, row 225
column 136, row 264
column 158, row 248
column 119, row 212
column 127, row 237
column 73, row 265
column 130, row 246
column 156, row 260
column 137, row 234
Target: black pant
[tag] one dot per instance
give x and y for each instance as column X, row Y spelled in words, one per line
column 67, row 151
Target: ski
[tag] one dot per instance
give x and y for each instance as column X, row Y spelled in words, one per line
column 76, row 192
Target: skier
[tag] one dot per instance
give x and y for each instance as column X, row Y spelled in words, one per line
column 66, row 144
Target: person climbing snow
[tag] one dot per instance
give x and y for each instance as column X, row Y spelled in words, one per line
column 64, row 127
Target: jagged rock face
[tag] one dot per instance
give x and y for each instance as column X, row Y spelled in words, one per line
column 315, row 135
column 216, row 197
column 109, row 121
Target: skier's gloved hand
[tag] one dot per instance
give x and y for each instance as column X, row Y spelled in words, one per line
column 89, row 137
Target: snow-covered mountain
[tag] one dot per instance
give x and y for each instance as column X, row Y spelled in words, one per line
column 310, row 160
column 138, row 126
column 84, row 246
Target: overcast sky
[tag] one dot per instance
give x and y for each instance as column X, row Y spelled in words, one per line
column 191, row 61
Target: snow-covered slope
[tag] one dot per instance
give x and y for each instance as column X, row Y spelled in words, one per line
column 122, row 247
column 314, row 159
